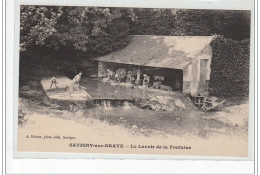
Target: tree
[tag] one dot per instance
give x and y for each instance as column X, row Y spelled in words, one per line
column 229, row 67
column 93, row 30
column 230, row 24
column 154, row 22
column 37, row 24
column 88, row 29
column 96, row 31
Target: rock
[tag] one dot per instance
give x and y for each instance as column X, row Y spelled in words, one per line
column 161, row 103
column 105, row 79
column 162, row 100
column 134, row 127
column 144, row 105
column 179, row 103
column 170, row 108
column 121, row 118
column 151, row 98
column 114, row 84
column 164, row 108
column 166, row 88
column 156, row 107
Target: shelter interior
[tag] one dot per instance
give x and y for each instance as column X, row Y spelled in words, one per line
column 160, row 78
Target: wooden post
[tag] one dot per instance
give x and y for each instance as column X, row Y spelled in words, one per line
column 138, row 76
column 102, row 69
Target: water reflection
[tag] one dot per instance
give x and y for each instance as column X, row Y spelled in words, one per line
column 98, row 88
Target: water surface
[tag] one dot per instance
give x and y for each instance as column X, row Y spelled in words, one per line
column 176, row 122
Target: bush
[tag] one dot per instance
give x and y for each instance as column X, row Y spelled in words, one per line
column 229, row 67
column 21, row 119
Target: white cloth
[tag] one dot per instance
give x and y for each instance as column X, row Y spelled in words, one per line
column 77, row 78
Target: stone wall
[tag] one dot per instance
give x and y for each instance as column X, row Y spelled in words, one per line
column 192, row 82
column 102, row 69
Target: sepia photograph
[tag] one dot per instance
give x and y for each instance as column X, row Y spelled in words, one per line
column 146, row 81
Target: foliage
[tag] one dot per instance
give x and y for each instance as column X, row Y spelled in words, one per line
column 93, row 30
column 155, row 22
column 88, row 29
column 230, row 67
column 96, row 31
column 230, row 24
column 37, row 24
column 21, row 118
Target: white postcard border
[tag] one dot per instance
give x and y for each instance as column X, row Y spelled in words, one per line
column 12, row 72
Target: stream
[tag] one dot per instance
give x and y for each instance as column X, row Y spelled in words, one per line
column 129, row 115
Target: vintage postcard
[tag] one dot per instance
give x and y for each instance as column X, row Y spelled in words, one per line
column 135, row 81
